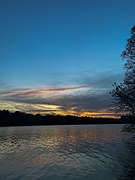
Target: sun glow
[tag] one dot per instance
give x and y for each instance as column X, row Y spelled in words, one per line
column 44, row 109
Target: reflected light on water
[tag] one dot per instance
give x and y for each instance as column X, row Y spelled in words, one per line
column 70, row 152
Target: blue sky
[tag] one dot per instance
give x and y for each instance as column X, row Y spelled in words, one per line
column 62, row 44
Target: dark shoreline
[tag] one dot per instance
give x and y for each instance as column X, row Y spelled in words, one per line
column 18, row 118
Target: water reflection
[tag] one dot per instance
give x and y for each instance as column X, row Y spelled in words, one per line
column 128, row 163
column 70, row 152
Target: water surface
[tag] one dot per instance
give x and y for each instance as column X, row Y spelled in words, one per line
column 92, row 152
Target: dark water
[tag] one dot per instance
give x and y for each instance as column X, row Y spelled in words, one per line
column 95, row 152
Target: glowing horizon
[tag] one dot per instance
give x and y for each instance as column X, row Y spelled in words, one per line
column 62, row 56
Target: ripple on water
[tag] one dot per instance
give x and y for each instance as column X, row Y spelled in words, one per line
column 69, row 152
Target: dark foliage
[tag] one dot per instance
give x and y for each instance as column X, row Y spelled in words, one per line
column 124, row 93
column 22, row 119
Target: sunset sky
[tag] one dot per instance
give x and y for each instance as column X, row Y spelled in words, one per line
column 62, row 56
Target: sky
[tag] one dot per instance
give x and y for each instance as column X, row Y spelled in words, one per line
column 62, row 56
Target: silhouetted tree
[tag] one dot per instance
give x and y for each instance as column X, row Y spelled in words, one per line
column 23, row 119
column 124, row 93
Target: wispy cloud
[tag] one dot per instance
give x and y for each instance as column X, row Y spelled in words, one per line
column 92, row 95
column 28, row 91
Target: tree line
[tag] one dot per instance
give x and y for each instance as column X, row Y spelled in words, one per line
column 23, row 119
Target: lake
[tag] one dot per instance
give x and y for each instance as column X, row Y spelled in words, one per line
column 78, row 152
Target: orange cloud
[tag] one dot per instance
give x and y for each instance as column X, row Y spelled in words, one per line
column 41, row 91
column 99, row 114
column 49, row 109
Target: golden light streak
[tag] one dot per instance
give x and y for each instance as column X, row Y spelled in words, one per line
column 44, row 109
column 40, row 91
column 99, row 114
column 32, row 108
